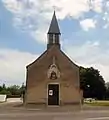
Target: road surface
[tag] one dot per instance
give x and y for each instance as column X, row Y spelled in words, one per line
column 10, row 111
column 40, row 115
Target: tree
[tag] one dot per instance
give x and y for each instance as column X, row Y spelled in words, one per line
column 4, row 87
column 107, row 85
column 5, row 92
column 107, row 90
column 92, row 83
column 15, row 90
column 23, row 91
column 1, row 88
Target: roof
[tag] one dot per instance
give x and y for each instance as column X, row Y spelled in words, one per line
column 47, row 52
column 37, row 59
column 54, row 28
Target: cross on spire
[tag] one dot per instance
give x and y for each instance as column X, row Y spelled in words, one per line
column 54, row 7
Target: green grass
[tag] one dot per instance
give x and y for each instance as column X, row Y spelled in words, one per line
column 98, row 103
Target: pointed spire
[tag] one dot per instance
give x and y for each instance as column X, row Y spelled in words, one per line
column 54, row 28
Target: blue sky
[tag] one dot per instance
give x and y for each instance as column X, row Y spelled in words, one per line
column 11, row 37
column 23, row 26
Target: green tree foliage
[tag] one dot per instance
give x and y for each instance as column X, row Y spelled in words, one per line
column 13, row 90
column 4, row 87
column 6, row 92
column 107, row 90
column 22, row 89
column 92, row 83
column 1, row 88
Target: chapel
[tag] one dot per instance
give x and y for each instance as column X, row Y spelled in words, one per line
column 53, row 79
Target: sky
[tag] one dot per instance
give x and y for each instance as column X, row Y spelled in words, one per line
column 84, row 26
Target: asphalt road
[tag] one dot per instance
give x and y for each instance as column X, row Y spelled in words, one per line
column 8, row 112
column 40, row 115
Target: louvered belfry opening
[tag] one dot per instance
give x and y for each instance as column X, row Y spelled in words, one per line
column 53, row 33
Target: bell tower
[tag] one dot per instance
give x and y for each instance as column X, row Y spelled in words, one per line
column 53, row 33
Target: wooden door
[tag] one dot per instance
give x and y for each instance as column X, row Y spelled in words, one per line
column 53, row 94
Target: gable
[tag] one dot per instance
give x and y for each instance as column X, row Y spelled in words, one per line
column 38, row 71
column 45, row 58
column 69, row 59
column 62, row 58
column 38, row 59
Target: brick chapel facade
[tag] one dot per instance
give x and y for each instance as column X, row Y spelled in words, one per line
column 53, row 79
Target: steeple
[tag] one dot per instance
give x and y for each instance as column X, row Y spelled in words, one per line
column 54, row 28
column 53, row 33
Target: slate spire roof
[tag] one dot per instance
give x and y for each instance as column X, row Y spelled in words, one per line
column 54, row 28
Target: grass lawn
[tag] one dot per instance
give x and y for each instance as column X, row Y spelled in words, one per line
column 98, row 103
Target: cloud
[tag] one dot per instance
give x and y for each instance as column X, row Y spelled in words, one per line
column 34, row 16
column 90, row 54
column 88, row 24
column 13, row 62
column 97, row 5
column 13, row 65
